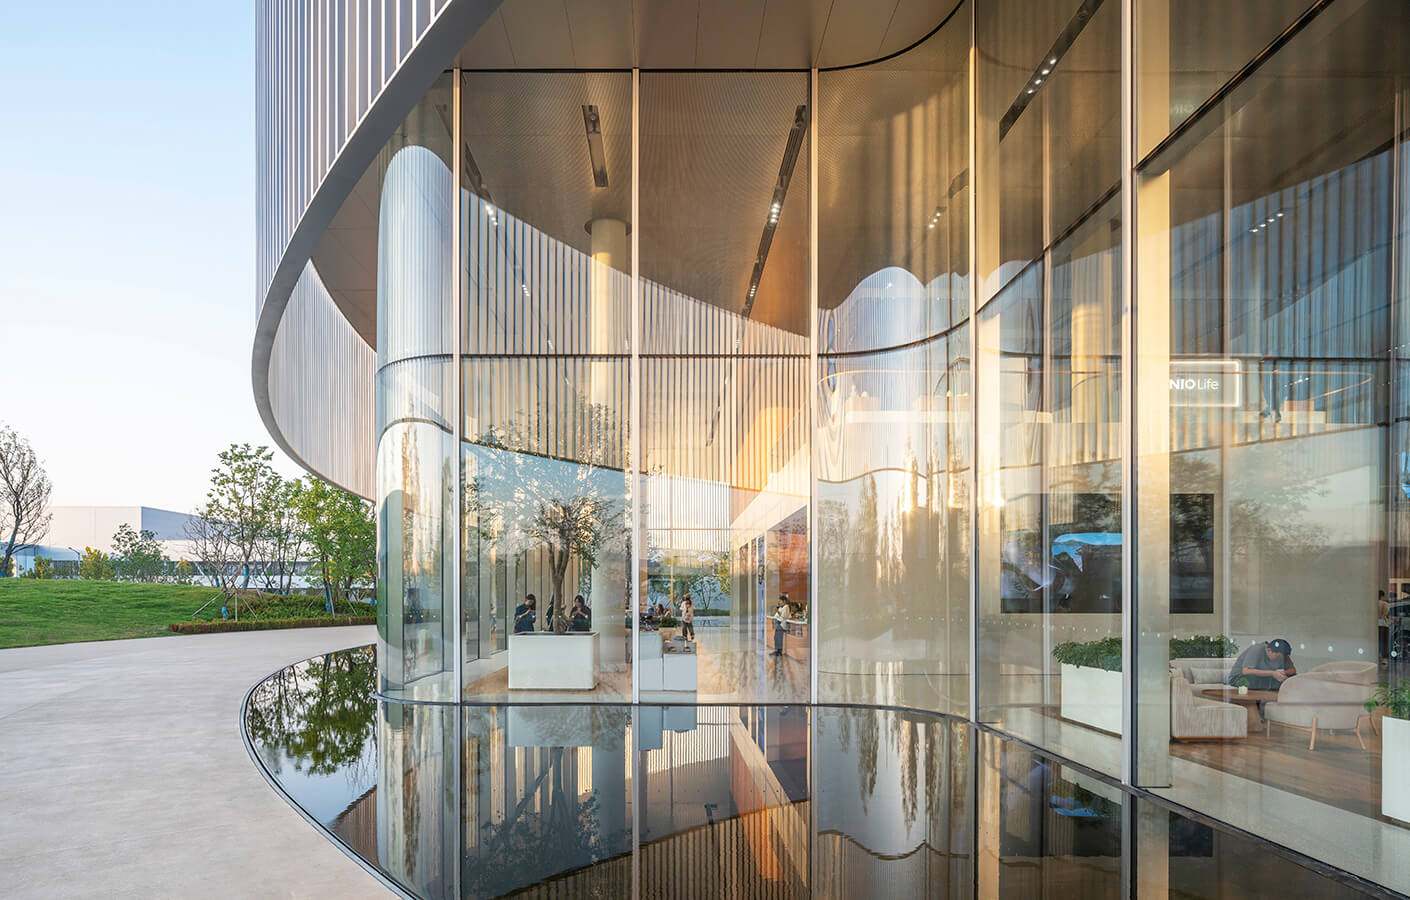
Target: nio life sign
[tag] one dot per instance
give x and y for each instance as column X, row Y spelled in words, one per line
column 1205, row 382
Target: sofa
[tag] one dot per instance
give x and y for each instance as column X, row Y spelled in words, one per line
column 1326, row 697
column 1204, row 672
column 1196, row 717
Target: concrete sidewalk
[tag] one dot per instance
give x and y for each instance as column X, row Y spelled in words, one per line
column 122, row 773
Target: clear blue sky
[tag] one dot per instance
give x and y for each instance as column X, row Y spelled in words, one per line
column 127, row 243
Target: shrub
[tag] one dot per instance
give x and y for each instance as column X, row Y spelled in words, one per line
column 668, row 622
column 95, row 565
column 267, row 624
column 43, row 568
column 1103, row 654
column 1203, row 646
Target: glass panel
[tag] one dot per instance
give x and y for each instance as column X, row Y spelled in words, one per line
column 892, row 436
column 1188, row 49
column 1047, row 830
column 724, row 369
column 545, row 306
column 1271, row 510
column 415, row 479
column 1049, row 549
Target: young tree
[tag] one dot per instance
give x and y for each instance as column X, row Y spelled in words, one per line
column 282, row 542
column 341, row 536
column 136, row 555
column 569, row 506
column 213, row 543
column 240, row 498
column 24, row 496
column 183, row 572
column 95, row 566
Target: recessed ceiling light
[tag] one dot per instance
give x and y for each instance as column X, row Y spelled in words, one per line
column 1053, row 61
column 1045, row 71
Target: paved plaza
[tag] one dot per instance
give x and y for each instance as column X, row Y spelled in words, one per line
column 125, row 775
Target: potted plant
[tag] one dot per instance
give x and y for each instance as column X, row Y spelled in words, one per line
column 1395, row 747
column 1091, row 682
column 1242, row 684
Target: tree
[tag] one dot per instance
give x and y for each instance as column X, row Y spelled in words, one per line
column 232, row 526
column 213, row 543
column 136, row 555
column 24, row 496
column 43, row 568
column 282, row 541
column 95, row 566
column 183, row 572
column 569, row 505
column 341, row 536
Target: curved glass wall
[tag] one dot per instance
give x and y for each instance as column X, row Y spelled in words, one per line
column 416, row 479
column 925, row 398
column 893, row 437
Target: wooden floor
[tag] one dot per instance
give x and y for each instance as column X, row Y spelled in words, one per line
column 1338, row 773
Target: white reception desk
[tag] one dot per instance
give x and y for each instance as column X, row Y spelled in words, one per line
column 545, row 661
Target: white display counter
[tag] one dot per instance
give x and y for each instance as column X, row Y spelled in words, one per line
column 544, row 661
column 667, row 665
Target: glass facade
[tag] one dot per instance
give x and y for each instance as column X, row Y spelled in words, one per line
column 1047, row 373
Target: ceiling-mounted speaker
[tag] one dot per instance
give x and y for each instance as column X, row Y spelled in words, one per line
column 592, row 124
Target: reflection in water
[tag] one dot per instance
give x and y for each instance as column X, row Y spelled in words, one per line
column 711, row 801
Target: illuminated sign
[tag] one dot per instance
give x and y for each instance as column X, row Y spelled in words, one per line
column 1205, row 382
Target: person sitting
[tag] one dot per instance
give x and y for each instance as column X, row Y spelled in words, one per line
column 1264, row 666
column 525, row 613
column 580, row 617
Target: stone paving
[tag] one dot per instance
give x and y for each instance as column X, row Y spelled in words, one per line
column 123, row 774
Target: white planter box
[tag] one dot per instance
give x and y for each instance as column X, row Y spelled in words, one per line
column 1395, row 750
column 1092, row 697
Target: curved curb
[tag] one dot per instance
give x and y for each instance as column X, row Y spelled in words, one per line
column 269, row 778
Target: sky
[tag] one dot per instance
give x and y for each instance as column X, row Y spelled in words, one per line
column 127, row 294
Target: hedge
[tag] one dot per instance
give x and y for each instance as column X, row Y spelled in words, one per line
column 264, row 624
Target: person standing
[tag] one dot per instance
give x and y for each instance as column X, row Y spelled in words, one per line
column 524, row 614
column 581, row 616
column 687, row 618
column 780, row 618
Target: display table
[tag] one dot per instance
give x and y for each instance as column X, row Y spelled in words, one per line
column 544, row 661
column 666, row 665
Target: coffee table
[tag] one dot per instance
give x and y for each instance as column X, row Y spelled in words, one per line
column 1249, row 701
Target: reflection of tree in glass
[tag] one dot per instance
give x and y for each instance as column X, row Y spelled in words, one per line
column 318, row 714
column 553, row 483
column 1270, row 516
column 530, row 845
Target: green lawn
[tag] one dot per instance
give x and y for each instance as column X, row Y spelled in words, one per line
column 64, row 611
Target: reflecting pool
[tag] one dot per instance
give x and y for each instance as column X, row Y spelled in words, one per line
column 444, row 801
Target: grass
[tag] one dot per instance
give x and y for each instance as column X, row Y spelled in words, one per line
column 63, row 611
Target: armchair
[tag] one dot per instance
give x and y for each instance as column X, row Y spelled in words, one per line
column 1327, row 697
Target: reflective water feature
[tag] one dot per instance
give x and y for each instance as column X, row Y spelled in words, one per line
column 722, row 801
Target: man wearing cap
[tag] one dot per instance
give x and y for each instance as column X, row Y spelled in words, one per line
column 1264, row 665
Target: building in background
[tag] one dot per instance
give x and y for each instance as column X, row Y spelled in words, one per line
column 1000, row 355
column 73, row 528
